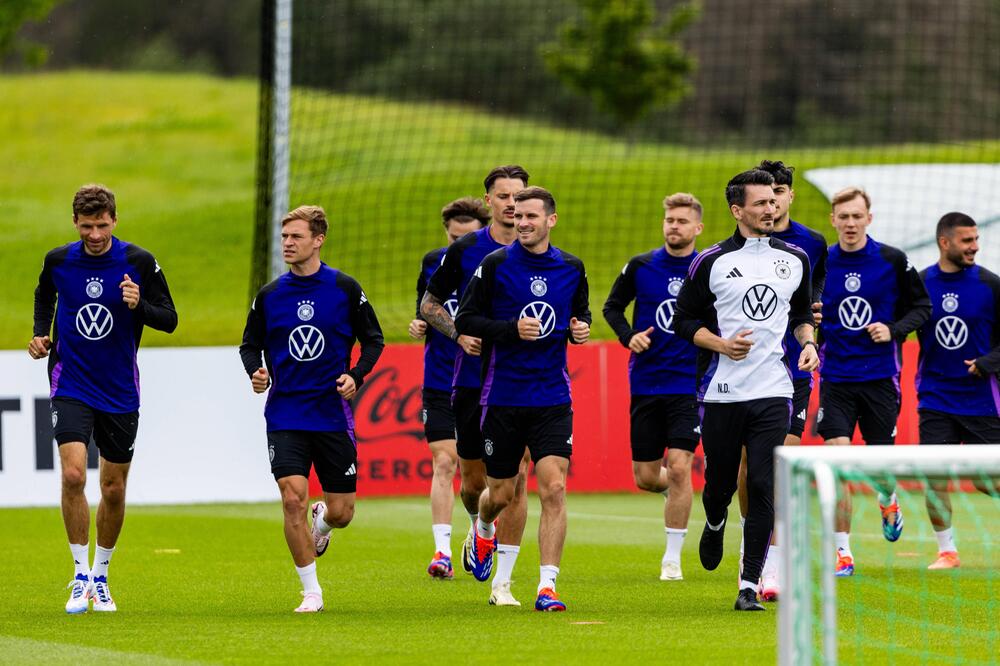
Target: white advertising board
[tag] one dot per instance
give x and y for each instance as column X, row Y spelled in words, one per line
column 201, row 432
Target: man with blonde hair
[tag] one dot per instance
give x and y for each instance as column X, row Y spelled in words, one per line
column 872, row 300
column 305, row 324
column 661, row 370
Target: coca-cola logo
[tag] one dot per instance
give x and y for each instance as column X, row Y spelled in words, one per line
column 384, row 408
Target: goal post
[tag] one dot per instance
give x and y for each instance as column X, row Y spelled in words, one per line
column 808, row 613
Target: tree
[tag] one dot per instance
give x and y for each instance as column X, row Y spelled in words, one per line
column 619, row 58
column 13, row 14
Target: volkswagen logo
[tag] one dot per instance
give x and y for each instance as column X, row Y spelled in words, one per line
column 451, row 305
column 951, row 332
column 544, row 313
column 94, row 321
column 306, row 343
column 855, row 313
column 759, row 302
column 665, row 315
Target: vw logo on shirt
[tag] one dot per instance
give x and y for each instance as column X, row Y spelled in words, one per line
column 306, row 343
column 451, row 305
column 855, row 313
column 544, row 313
column 665, row 315
column 94, row 321
column 951, row 332
column 760, row 302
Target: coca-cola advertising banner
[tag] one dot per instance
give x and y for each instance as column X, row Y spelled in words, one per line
column 202, row 434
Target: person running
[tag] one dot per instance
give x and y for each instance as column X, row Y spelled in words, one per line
column 741, row 297
column 93, row 299
column 305, row 323
column 664, row 412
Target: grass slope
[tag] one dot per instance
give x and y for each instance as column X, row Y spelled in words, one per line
column 179, row 151
column 215, row 584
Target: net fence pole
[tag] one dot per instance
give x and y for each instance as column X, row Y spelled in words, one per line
column 280, row 127
column 794, row 629
column 826, row 489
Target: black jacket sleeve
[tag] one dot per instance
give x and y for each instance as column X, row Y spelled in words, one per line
column 45, row 296
column 448, row 277
column 800, row 305
column 819, row 276
column 473, row 317
column 368, row 332
column 254, row 336
column 622, row 293
column 155, row 303
column 581, row 298
column 913, row 306
column 989, row 363
column 696, row 302
column 430, row 258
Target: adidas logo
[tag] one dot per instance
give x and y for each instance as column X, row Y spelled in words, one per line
column 351, row 471
column 802, row 415
column 735, row 273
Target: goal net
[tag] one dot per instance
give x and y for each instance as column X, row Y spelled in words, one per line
column 893, row 609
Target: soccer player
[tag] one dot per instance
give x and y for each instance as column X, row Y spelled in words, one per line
column 873, row 299
column 814, row 245
column 525, row 302
column 107, row 291
column 739, row 300
column 460, row 217
column 305, row 324
column 959, row 360
column 664, row 411
column 457, row 267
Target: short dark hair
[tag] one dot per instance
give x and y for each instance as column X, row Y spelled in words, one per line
column 949, row 221
column 466, row 209
column 548, row 201
column 512, row 171
column 782, row 173
column 91, row 200
column 314, row 215
column 736, row 189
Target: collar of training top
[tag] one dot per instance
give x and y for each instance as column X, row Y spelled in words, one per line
column 741, row 240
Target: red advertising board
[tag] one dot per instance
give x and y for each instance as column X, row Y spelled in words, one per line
column 393, row 458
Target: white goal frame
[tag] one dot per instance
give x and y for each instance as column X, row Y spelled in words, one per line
column 795, row 470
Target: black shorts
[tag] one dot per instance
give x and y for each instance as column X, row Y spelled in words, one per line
column 114, row 434
column 468, row 422
column 334, row 454
column 438, row 416
column 546, row 431
column 943, row 428
column 872, row 405
column 660, row 422
column 800, row 405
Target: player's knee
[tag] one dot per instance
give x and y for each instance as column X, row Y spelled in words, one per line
column 339, row 516
column 761, row 489
column 73, row 480
column 113, row 491
column 646, row 479
column 679, row 474
column 552, row 492
column 293, row 505
column 444, row 467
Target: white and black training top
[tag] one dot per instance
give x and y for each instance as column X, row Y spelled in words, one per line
column 761, row 284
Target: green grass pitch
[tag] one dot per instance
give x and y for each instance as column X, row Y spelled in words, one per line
column 215, row 584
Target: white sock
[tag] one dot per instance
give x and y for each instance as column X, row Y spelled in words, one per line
column 81, row 558
column 503, row 563
column 310, row 583
column 102, row 559
column 547, row 576
column 321, row 524
column 442, row 538
column 771, row 561
column 473, row 517
column 843, row 542
column 747, row 585
column 484, row 530
column 675, row 540
column 946, row 541
column 743, row 523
